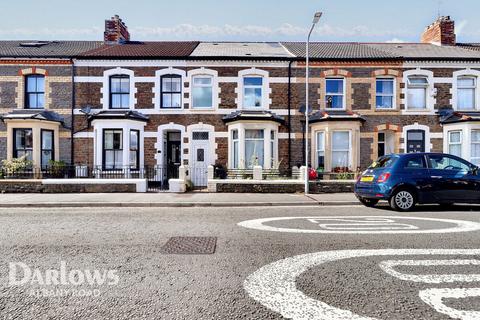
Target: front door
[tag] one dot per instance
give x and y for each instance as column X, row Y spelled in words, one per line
column 200, row 158
column 415, row 141
column 174, row 158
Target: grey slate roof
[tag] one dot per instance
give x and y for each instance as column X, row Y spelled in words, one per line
column 451, row 116
column 118, row 114
column 335, row 115
column 352, row 50
column 241, row 50
column 253, row 115
column 33, row 114
column 45, row 49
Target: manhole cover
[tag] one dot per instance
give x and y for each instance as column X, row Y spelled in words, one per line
column 190, row 245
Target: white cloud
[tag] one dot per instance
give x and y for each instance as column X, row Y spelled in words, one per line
column 395, row 40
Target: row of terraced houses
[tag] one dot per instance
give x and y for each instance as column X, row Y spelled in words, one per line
column 122, row 103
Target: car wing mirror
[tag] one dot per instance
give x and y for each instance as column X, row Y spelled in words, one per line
column 474, row 171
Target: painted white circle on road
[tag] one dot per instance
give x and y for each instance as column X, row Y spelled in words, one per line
column 362, row 225
column 274, row 285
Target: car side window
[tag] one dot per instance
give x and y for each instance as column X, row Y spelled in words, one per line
column 444, row 162
column 417, row 162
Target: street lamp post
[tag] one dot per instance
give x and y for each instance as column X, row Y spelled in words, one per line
column 316, row 18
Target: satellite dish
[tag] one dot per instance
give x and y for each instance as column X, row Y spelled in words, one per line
column 86, row 109
column 302, row 109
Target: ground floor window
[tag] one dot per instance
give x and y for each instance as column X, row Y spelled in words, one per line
column 455, row 143
column 134, row 149
column 254, row 148
column 475, row 147
column 252, row 144
column 340, row 150
column 47, row 152
column 112, row 149
column 23, row 143
column 321, row 150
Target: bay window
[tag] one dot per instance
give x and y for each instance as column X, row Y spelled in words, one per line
column 340, row 149
column 235, row 155
column 171, row 91
column 35, row 91
column 475, row 147
column 455, row 143
column 252, row 92
column 112, row 149
column 134, row 156
column 47, row 150
column 23, row 143
column 385, row 93
column 202, row 92
column 466, row 92
column 334, row 94
column 254, row 148
column 321, row 149
column 119, row 92
column 417, row 89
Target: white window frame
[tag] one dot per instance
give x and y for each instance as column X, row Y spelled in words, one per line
column 471, row 144
column 450, row 143
column 105, row 100
column 393, row 95
column 430, row 91
column 343, row 95
column 349, row 149
column 266, row 90
column 270, row 156
column 203, row 72
column 318, row 150
column 465, row 73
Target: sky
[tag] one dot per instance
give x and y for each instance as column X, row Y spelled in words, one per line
column 240, row 20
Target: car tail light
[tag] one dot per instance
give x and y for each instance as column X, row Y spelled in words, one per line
column 383, row 177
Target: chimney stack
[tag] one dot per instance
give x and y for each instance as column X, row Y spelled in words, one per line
column 441, row 32
column 116, row 31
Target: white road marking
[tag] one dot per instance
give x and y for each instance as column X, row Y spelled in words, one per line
column 362, row 224
column 388, row 266
column 274, row 285
column 459, row 225
column 434, row 297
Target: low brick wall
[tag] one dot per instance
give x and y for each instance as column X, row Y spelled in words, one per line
column 36, row 186
column 333, row 186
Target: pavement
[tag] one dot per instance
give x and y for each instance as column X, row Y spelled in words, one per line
column 303, row 262
column 163, row 199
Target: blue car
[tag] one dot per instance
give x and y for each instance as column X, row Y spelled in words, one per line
column 407, row 179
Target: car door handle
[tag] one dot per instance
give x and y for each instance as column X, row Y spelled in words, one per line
column 436, row 177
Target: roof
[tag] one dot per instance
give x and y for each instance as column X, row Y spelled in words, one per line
column 241, row 50
column 253, row 115
column 45, row 49
column 31, row 114
column 450, row 116
column 335, row 116
column 357, row 50
column 119, row 114
column 140, row 49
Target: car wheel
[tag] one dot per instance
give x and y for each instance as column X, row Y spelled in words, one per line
column 403, row 200
column 368, row 202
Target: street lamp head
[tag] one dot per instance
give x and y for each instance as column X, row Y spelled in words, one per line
column 317, row 17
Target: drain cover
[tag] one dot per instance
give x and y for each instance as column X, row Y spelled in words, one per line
column 190, row 245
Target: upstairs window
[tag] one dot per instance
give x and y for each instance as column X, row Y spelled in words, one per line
column 202, row 92
column 417, row 93
column 466, row 92
column 23, row 143
column 252, row 92
column 334, row 94
column 384, row 93
column 171, row 91
column 35, row 92
column 119, row 92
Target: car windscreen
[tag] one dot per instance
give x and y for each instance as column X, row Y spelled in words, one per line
column 383, row 162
